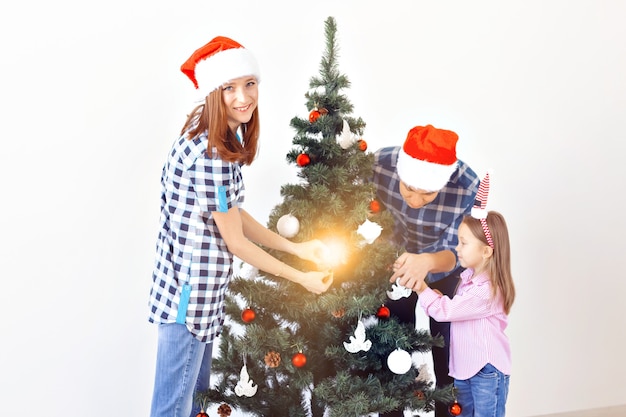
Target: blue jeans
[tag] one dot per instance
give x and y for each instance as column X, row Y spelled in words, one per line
column 484, row 394
column 183, row 367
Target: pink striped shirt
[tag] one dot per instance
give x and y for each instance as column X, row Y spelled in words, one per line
column 477, row 324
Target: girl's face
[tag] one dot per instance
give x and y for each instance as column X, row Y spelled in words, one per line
column 240, row 99
column 472, row 252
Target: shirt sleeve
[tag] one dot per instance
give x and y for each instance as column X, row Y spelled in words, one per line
column 213, row 183
column 475, row 303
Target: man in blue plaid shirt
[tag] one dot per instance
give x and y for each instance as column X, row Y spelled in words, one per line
column 428, row 191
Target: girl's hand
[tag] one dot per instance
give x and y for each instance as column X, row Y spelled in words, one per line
column 317, row 281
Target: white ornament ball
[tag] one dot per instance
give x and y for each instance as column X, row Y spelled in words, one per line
column 288, row 226
column 399, row 361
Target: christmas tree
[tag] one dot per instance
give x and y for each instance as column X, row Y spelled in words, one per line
column 287, row 352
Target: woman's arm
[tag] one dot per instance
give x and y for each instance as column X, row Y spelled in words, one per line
column 231, row 227
column 312, row 250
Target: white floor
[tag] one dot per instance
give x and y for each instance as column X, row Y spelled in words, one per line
column 617, row 411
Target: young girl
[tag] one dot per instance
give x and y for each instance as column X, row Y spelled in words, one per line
column 480, row 357
column 203, row 226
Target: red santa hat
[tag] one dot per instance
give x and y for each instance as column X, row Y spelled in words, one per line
column 217, row 62
column 427, row 158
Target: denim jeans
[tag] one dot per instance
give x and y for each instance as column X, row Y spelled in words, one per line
column 484, row 394
column 183, row 367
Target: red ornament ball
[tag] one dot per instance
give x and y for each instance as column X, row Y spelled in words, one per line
column 383, row 312
column 362, row 145
column 314, row 115
column 202, row 414
column 455, row 409
column 374, row 206
column 298, row 360
column 248, row 315
column 303, row 160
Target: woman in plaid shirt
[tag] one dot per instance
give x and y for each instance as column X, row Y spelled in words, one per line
column 203, row 226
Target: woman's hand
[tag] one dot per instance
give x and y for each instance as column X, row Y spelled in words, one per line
column 317, row 281
column 311, row 250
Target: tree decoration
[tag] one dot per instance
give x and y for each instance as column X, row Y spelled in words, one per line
column 346, row 137
column 288, row 226
column 248, row 315
column 424, row 374
column 374, row 206
column 369, row 231
column 398, row 291
column 455, row 408
column 383, row 312
column 202, row 414
column 314, row 115
column 358, row 341
column 399, row 361
column 298, row 360
column 303, row 160
column 224, row 410
column 362, row 145
column 245, row 386
column 272, row 359
column 331, row 199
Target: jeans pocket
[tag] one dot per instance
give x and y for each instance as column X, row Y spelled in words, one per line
column 488, row 371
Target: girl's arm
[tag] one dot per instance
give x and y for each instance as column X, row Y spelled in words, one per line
column 231, row 227
column 475, row 303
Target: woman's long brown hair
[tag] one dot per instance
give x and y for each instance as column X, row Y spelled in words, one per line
column 211, row 117
column 499, row 266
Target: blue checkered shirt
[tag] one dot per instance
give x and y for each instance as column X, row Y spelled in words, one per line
column 431, row 228
column 189, row 246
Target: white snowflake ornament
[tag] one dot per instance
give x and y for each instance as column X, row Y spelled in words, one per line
column 369, row 231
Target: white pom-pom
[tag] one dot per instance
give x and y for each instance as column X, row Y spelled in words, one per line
column 288, row 226
column 399, row 361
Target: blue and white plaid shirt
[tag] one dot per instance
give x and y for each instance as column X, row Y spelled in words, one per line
column 431, row 228
column 189, row 246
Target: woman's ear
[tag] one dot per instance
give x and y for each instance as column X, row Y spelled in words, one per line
column 487, row 252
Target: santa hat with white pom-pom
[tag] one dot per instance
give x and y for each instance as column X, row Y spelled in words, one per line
column 427, row 159
column 217, row 62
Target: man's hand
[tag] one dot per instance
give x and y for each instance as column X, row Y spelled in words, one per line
column 410, row 269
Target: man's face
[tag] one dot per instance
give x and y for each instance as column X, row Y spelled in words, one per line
column 414, row 197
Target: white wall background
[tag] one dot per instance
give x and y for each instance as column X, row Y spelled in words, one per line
column 91, row 98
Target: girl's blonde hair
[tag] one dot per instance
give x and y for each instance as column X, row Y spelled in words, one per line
column 499, row 265
column 211, row 117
